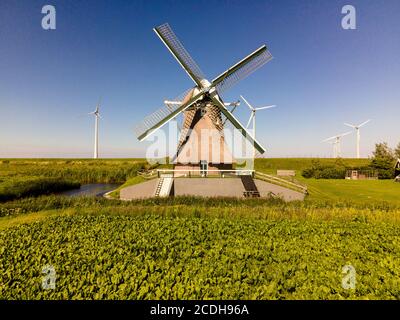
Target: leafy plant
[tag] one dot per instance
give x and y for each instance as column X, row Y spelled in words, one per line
column 142, row 255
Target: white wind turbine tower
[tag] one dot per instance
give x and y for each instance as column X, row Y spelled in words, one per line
column 96, row 113
column 357, row 128
column 336, row 143
column 253, row 116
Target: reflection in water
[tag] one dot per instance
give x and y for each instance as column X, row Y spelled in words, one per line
column 94, row 190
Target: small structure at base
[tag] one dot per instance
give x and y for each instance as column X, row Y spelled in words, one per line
column 286, row 173
column 397, row 171
column 361, row 175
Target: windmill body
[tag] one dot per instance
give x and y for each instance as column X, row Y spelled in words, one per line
column 202, row 108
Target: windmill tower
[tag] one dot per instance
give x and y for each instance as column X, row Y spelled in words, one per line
column 357, row 128
column 96, row 113
column 204, row 111
column 253, row 111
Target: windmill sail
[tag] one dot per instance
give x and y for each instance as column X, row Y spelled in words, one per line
column 157, row 119
column 242, row 69
column 204, row 95
column 173, row 44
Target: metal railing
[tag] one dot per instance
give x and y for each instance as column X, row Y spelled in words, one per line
column 281, row 182
column 188, row 173
column 191, row 173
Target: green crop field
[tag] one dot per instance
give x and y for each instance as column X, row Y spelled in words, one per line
column 192, row 248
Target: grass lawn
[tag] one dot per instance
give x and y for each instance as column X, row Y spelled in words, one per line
column 358, row 191
column 362, row 191
column 272, row 164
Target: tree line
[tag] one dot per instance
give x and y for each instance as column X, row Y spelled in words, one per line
column 384, row 159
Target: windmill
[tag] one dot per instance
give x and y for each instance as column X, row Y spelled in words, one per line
column 357, row 128
column 335, row 141
column 96, row 113
column 202, row 106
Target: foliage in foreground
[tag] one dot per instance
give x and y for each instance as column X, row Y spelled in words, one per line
column 54, row 202
column 142, row 256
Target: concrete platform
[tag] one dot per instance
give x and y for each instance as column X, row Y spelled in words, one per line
column 209, row 187
column 139, row 191
column 286, row 194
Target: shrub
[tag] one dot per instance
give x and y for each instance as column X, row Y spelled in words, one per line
column 331, row 173
column 319, row 171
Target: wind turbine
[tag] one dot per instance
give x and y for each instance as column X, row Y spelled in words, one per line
column 336, row 143
column 96, row 113
column 357, row 128
column 253, row 115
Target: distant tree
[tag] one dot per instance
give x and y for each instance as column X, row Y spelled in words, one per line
column 383, row 160
column 397, row 151
column 383, row 151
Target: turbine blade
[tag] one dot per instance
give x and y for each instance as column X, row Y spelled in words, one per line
column 349, row 125
column 266, row 107
column 334, row 137
column 246, row 102
column 237, row 124
column 344, row 134
column 232, row 104
column 251, row 117
column 364, row 123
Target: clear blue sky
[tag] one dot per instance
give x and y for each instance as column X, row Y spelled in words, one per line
column 320, row 77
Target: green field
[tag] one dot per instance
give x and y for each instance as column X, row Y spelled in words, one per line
column 191, row 248
column 271, row 165
column 353, row 190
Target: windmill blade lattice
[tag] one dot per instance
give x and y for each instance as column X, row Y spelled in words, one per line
column 178, row 50
column 158, row 116
column 242, row 70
